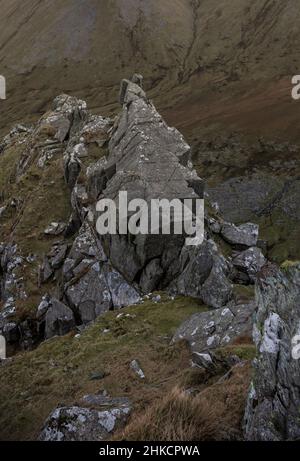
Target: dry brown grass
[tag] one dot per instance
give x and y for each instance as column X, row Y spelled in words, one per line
column 178, row 417
column 214, row 414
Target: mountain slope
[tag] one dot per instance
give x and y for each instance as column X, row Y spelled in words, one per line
column 189, row 51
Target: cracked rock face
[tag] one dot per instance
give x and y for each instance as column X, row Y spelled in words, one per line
column 59, row 319
column 204, row 275
column 93, row 286
column 148, row 160
column 272, row 412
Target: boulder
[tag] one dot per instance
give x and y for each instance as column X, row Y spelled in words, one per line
column 136, row 368
column 243, row 235
column 204, row 275
column 79, row 424
column 214, row 329
column 90, row 296
column 55, row 228
column 250, row 262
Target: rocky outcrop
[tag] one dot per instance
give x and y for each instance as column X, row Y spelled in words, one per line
column 75, row 424
column 272, row 412
column 211, row 330
column 249, row 263
column 91, row 285
column 87, row 274
column 148, row 160
column 204, row 275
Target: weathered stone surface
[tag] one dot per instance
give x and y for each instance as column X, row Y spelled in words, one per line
column 149, row 160
column 94, row 274
column 55, row 228
column 96, row 130
column 66, row 111
column 93, row 286
column 131, row 91
column 136, row 368
column 72, row 168
column 11, row 286
column 46, row 271
column 203, row 274
column 83, row 424
column 59, row 319
column 90, row 295
column 11, row 332
column 43, row 306
column 97, row 178
column 214, row 329
column 57, row 255
column 272, row 411
column 104, row 400
column 80, row 201
column 240, row 198
column 250, row 262
column 245, row 234
column 151, row 276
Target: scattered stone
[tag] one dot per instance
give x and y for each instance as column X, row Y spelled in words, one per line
column 156, row 299
column 135, row 366
column 55, row 229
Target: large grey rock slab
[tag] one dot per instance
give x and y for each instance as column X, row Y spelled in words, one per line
column 210, row 330
column 148, row 160
column 272, row 411
column 243, row 235
column 76, row 424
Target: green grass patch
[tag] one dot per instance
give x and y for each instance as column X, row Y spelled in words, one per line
column 58, row 372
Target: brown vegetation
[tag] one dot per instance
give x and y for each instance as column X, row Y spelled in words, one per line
column 215, row 413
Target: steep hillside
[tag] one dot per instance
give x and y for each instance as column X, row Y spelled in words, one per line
column 220, row 72
column 199, row 58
